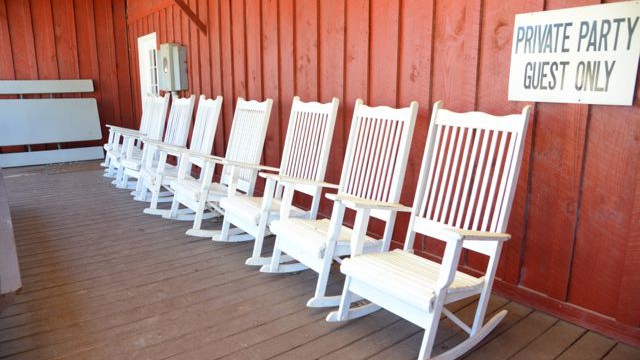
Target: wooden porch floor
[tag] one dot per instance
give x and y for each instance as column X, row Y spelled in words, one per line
column 104, row 281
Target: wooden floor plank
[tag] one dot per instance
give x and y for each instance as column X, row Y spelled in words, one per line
column 514, row 339
column 102, row 280
column 623, row 352
column 552, row 343
column 590, row 346
column 378, row 340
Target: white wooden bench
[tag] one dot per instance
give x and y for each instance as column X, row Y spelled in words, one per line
column 48, row 121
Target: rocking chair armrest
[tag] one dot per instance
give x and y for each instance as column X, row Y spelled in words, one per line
column 176, row 150
column 357, row 202
column 447, row 233
column 125, row 131
column 250, row 166
column 206, row 157
column 283, row 179
column 482, row 235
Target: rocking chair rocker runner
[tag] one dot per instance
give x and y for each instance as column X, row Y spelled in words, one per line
column 176, row 134
column 464, row 196
column 371, row 182
column 245, row 145
column 154, row 114
column 154, row 176
column 305, row 155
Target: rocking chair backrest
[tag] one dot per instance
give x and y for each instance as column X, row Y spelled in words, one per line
column 469, row 172
column 156, row 109
column 246, row 140
column 377, row 153
column 205, row 125
column 179, row 120
column 145, row 120
column 308, row 141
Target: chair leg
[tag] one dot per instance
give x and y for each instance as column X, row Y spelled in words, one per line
column 429, row 335
column 256, row 258
column 110, row 170
column 473, row 340
column 140, row 193
column 119, row 175
column 275, row 258
column 345, row 301
column 319, row 299
column 224, row 234
column 174, row 209
column 155, row 192
column 197, row 221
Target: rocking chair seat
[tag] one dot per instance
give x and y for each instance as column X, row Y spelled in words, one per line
column 312, row 235
column 170, row 173
column 410, row 276
column 249, row 207
column 117, row 153
column 190, row 188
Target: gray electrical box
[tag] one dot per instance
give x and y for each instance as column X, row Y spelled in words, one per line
column 172, row 67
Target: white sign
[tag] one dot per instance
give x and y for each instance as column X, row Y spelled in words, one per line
column 580, row 55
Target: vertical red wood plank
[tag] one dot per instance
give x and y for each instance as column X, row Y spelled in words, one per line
column 611, row 173
column 193, row 49
column 177, row 25
column 555, row 187
column 22, row 43
column 286, row 37
column 455, row 54
column 120, row 30
column 203, row 42
column 628, row 310
column 86, row 34
column 6, row 57
column 107, row 65
column 383, row 52
column 356, row 60
column 456, row 38
column 254, row 49
column 162, row 27
column 331, row 72
column 306, row 49
column 157, row 26
column 383, row 62
column 254, row 72
column 496, row 33
column 227, row 60
column 414, row 81
column 270, row 83
column 135, row 72
column 356, row 74
column 239, row 43
column 45, row 43
column 65, row 34
column 170, row 25
column 215, row 37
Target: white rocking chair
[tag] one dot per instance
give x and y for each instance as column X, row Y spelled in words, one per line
column 464, row 195
column 201, row 195
column 305, row 155
column 154, row 176
column 176, row 133
column 154, row 114
column 372, row 176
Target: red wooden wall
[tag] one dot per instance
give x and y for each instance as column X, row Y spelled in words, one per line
column 63, row 39
column 575, row 250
